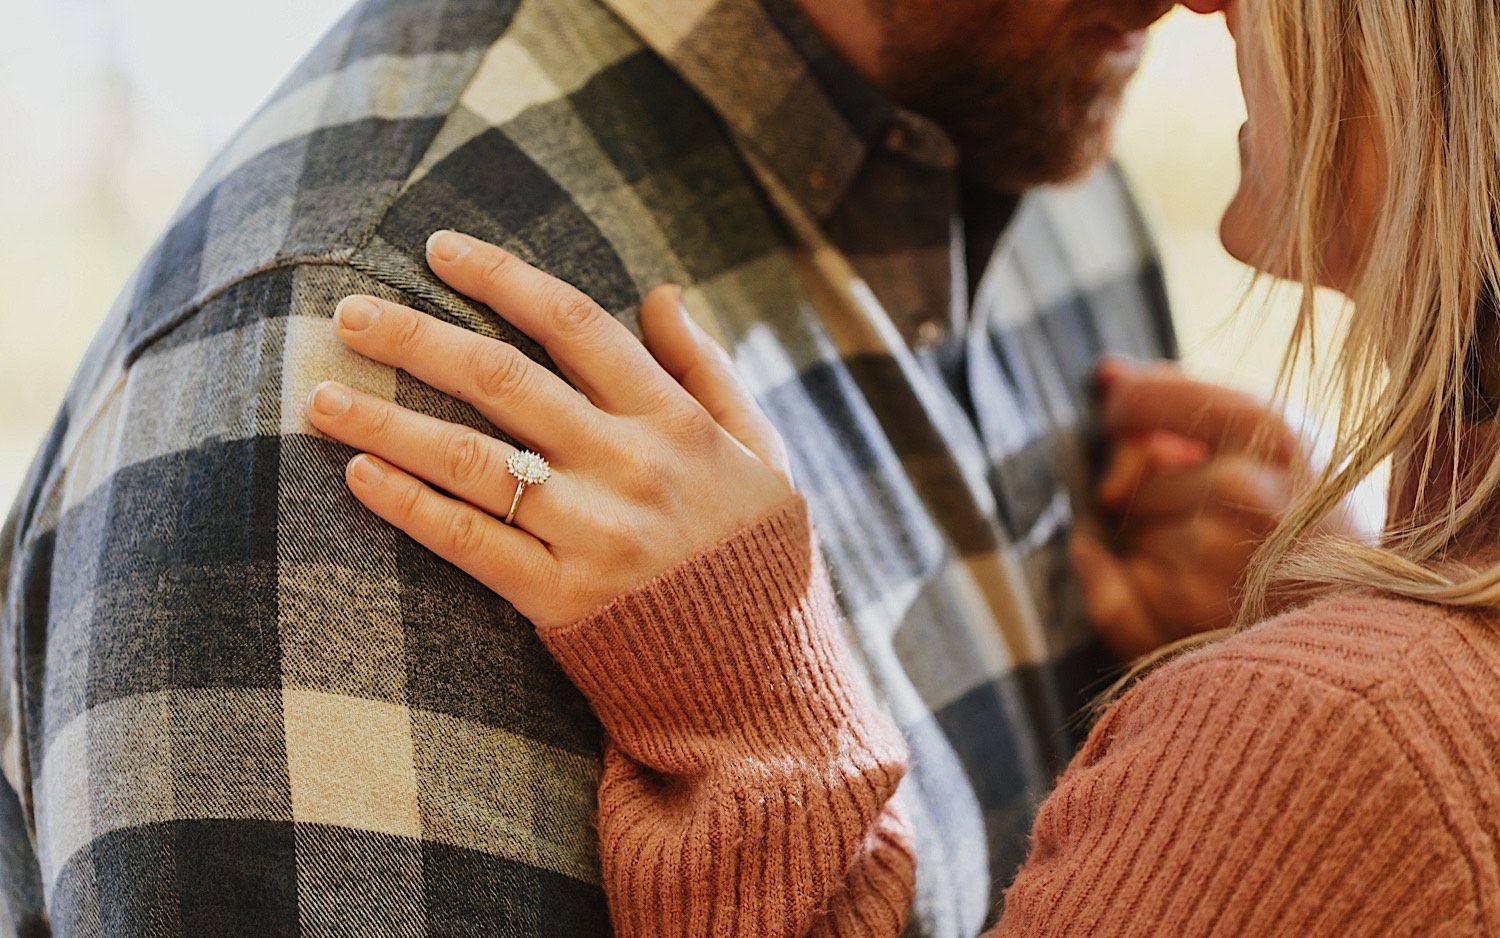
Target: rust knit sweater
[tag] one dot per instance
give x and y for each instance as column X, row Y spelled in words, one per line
column 1332, row 772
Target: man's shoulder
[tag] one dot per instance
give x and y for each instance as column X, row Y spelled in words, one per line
column 547, row 127
column 309, row 174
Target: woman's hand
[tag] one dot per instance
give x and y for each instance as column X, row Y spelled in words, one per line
column 1198, row 475
column 655, row 456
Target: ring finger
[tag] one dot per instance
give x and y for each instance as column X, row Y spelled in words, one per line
column 461, row 461
column 506, row 560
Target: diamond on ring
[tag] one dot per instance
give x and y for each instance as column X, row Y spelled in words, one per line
column 529, row 469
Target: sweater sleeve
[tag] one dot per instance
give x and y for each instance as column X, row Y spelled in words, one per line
column 1225, row 797
column 747, row 783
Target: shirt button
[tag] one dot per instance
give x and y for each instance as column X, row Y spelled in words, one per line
column 929, row 332
column 817, row 179
column 897, row 138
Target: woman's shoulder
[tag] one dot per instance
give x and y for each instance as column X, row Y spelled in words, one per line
column 1361, row 643
column 1369, row 662
column 1356, row 687
column 1359, row 676
column 1353, row 744
column 1337, row 764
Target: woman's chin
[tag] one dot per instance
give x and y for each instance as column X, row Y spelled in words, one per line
column 1242, row 232
column 1243, row 245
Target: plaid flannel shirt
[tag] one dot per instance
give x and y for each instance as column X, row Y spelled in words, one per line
column 236, row 703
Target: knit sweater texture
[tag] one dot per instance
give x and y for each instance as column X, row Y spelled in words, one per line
column 1334, row 771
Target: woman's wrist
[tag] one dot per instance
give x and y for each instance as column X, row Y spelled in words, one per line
column 739, row 641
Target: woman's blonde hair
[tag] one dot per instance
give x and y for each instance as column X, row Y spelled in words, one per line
column 1419, row 80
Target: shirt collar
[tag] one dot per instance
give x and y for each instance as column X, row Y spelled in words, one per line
column 788, row 98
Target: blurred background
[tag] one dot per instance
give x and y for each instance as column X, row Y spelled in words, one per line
column 111, row 107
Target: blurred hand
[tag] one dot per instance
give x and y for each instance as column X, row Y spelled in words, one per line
column 1197, row 475
column 663, row 453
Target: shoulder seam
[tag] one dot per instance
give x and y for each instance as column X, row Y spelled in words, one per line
column 356, row 238
column 185, row 312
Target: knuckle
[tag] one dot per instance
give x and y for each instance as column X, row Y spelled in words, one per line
column 645, row 479
column 497, row 371
column 464, row 534
column 496, row 267
column 694, row 431
column 379, row 421
column 407, row 333
column 466, row 457
column 409, row 501
column 572, row 313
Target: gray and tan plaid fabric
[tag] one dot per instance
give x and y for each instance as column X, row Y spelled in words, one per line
column 235, row 703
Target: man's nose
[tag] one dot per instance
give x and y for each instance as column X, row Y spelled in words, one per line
column 1205, row 6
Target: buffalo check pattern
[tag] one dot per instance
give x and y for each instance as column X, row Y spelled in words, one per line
column 235, row 703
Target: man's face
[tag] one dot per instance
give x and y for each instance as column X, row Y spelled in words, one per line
column 1029, row 89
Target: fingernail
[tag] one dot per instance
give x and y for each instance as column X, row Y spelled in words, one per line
column 356, row 313
column 365, row 470
column 701, row 334
column 683, row 311
column 330, row 399
column 447, row 246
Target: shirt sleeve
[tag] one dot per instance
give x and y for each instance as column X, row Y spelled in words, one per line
column 1221, row 798
column 747, row 785
column 246, row 705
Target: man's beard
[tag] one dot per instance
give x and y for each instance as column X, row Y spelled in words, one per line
column 1027, row 123
column 1020, row 119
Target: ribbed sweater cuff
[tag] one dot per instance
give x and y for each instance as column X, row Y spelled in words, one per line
column 738, row 644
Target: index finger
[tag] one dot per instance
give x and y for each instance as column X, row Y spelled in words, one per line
column 596, row 353
column 1162, row 398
